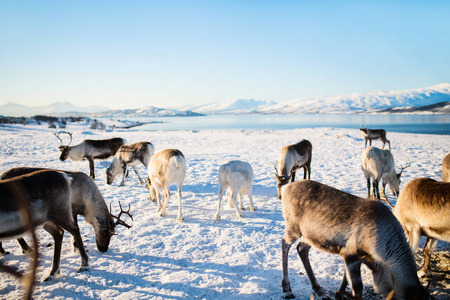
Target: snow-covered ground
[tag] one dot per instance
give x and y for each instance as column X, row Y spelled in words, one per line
column 234, row 258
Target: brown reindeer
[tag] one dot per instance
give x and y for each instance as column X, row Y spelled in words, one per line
column 446, row 168
column 290, row 159
column 86, row 200
column 423, row 208
column 89, row 149
column 48, row 193
column 374, row 134
column 360, row 230
column 129, row 155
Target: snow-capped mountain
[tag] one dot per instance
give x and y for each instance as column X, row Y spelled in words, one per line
column 239, row 106
column 365, row 102
column 18, row 110
column 148, row 111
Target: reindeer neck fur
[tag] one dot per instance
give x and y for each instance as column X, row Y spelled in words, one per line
column 77, row 153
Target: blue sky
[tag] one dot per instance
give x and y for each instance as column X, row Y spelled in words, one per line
column 128, row 54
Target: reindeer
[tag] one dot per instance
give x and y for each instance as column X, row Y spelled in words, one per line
column 360, row 230
column 89, row 149
column 164, row 169
column 129, row 155
column 237, row 177
column 446, row 168
column 86, row 200
column 374, row 134
column 379, row 164
column 290, row 159
column 48, row 193
column 423, row 208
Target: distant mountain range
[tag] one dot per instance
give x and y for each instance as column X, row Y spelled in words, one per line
column 435, row 99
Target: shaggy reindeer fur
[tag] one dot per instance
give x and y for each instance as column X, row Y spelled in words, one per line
column 360, row 230
column 423, row 208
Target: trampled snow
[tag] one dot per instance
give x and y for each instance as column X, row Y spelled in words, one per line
column 233, row 258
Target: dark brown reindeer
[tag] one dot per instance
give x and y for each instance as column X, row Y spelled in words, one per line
column 86, row 200
column 290, row 159
column 378, row 164
column 48, row 193
column 129, row 155
column 89, row 149
column 374, row 134
column 358, row 229
column 423, row 209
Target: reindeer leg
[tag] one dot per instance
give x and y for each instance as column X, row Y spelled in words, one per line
column 376, row 191
column 24, row 246
column 74, row 242
column 2, row 251
column 285, row 283
column 91, row 167
column 339, row 294
column 425, row 271
column 250, row 197
column 353, row 266
column 368, row 187
column 75, row 232
column 233, row 197
column 57, row 234
column 165, row 202
column 124, row 174
column 241, row 203
column 292, row 176
column 303, row 251
column 221, row 191
column 137, row 173
column 180, row 214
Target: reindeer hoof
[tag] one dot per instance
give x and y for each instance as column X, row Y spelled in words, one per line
column 287, row 295
column 84, row 269
column 180, row 219
column 51, row 276
column 252, row 209
column 4, row 253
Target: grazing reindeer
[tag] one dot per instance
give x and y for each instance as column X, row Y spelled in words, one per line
column 290, row 159
column 86, row 200
column 360, row 230
column 166, row 168
column 374, row 134
column 423, row 208
column 129, row 155
column 89, row 149
column 48, row 193
column 446, row 168
column 379, row 164
column 237, row 176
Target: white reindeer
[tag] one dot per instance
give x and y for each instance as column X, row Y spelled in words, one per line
column 446, row 168
column 129, row 155
column 423, row 208
column 48, row 195
column 166, row 168
column 379, row 164
column 360, row 230
column 237, row 178
column 374, row 134
column 86, row 200
column 90, row 150
column 290, row 159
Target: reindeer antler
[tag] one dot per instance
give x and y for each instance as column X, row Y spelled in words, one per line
column 407, row 166
column 57, row 135
column 119, row 221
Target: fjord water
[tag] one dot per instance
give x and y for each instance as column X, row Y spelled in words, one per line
column 429, row 124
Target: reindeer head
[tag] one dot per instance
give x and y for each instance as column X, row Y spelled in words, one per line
column 148, row 184
column 64, row 149
column 396, row 189
column 107, row 228
column 281, row 180
column 117, row 165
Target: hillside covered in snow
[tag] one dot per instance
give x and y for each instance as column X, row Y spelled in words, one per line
column 435, row 99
